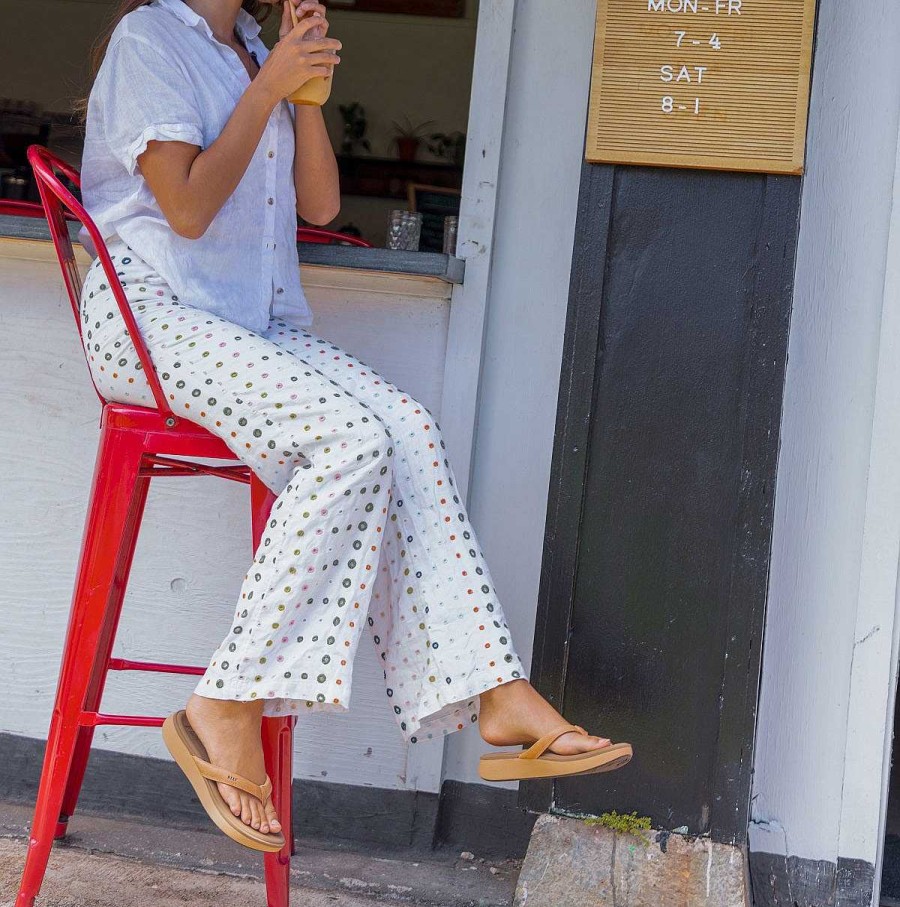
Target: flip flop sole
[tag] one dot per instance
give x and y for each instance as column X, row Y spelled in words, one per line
column 184, row 744
column 511, row 767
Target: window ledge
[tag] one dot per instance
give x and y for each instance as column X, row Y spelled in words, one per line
column 420, row 264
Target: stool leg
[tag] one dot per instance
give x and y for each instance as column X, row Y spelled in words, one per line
column 261, row 502
column 104, row 651
column 111, row 512
column 278, row 744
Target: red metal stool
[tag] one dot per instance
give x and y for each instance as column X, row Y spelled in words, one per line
column 136, row 445
column 330, row 238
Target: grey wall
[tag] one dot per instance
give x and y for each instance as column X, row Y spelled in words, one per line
column 800, row 803
column 542, row 152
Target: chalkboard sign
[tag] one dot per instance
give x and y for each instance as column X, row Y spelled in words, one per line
column 434, row 204
column 718, row 84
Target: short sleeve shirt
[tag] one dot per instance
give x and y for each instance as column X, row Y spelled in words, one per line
column 166, row 78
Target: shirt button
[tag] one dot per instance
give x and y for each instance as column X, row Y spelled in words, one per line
column 271, row 201
column 271, row 154
column 280, row 290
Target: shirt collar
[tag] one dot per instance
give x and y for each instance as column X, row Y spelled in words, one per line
column 246, row 25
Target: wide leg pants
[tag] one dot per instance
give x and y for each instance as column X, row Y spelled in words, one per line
column 363, row 485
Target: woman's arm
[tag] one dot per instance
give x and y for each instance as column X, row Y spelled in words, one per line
column 315, row 168
column 190, row 184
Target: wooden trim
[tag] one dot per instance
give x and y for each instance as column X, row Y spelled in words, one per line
column 354, row 280
column 454, row 9
column 413, row 188
column 37, row 250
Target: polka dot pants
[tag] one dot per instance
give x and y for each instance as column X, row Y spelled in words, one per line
column 363, row 485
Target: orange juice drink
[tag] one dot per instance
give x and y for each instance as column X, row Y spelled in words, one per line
column 315, row 92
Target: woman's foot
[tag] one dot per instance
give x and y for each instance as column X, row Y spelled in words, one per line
column 515, row 714
column 231, row 734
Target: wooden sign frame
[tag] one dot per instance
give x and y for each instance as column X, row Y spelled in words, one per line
column 751, row 112
column 447, row 9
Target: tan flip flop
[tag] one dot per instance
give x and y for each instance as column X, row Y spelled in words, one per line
column 193, row 760
column 536, row 762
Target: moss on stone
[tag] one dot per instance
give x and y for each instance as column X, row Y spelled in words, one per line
column 627, row 824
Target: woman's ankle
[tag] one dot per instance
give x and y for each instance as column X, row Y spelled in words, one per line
column 229, row 710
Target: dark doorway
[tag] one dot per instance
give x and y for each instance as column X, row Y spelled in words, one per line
column 660, row 519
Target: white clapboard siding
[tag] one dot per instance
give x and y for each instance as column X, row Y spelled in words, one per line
column 195, row 546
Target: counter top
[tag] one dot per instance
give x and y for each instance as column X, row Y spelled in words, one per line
column 419, row 264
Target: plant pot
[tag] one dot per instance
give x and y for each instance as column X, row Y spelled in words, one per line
column 408, row 148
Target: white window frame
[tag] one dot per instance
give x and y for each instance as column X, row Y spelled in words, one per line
column 469, row 301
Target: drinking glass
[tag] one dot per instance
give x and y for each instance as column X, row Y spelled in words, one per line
column 451, row 232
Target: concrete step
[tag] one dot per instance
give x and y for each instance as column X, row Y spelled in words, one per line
column 116, row 862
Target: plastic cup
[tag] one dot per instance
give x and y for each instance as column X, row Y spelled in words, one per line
column 315, row 92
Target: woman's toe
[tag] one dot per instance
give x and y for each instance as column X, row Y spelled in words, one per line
column 246, row 811
column 572, row 744
column 231, row 797
column 272, row 818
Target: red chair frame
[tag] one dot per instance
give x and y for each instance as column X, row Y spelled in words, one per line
column 329, row 237
column 316, row 235
column 137, row 444
column 16, row 208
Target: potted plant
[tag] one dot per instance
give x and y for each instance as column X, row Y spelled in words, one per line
column 356, row 125
column 448, row 146
column 408, row 137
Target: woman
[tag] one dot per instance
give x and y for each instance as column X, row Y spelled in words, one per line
column 194, row 170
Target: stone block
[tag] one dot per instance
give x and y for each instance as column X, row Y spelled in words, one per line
column 573, row 864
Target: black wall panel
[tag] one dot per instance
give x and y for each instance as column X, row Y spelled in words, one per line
column 660, row 516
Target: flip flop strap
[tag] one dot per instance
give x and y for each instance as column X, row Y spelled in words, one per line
column 536, row 750
column 262, row 792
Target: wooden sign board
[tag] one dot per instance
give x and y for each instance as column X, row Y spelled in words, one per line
column 714, row 84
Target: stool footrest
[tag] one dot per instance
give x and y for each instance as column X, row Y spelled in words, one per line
column 124, row 664
column 94, row 719
column 157, row 465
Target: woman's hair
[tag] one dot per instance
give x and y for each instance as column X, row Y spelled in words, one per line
column 258, row 10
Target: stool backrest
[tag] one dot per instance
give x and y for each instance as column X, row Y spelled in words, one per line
column 60, row 206
column 329, row 237
column 15, row 208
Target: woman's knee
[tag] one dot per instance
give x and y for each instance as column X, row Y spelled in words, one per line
column 363, row 435
column 412, row 423
column 377, row 446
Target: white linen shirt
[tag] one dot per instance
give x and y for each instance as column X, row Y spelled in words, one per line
column 166, row 78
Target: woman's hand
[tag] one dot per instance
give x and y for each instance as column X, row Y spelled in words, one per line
column 191, row 184
column 304, row 8
column 303, row 53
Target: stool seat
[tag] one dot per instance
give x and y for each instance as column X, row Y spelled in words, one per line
column 165, row 434
column 137, row 445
